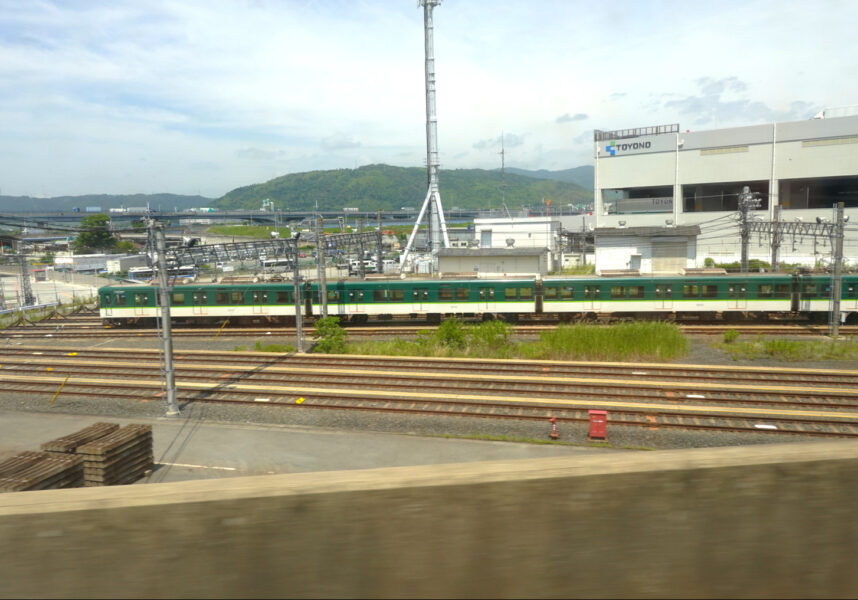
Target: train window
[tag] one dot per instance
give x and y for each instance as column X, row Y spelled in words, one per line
column 462, row 294
column 260, row 297
column 596, row 291
column 636, row 291
column 736, row 291
column 850, row 291
column 525, row 293
column 420, row 294
column 809, row 290
column 618, row 291
column 710, row 291
column 237, row 298
column 826, row 291
column 782, row 290
column 355, row 295
column 119, row 299
column 379, row 295
column 333, row 295
column 221, row 297
column 765, row 291
column 107, row 299
column 551, row 293
column 487, row 293
column 510, row 294
column 178, row 298
column 199, row 298
column 285, row 297
column 587, row 291
column 566, row 292
column 659, row 292
column 445, row 292
column 690, row 291
column 397, row 295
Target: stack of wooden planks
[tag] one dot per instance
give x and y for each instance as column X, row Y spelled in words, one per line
column 120, row 457
column 70, row 443
column 40, row 471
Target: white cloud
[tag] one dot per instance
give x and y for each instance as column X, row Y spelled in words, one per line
column 188, row 96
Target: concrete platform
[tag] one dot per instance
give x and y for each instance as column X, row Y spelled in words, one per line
column 189, row 448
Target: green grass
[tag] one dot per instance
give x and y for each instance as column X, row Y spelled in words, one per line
column 791, row 350
column 644, row 340
column 623, row 341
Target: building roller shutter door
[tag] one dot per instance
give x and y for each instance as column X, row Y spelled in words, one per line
column 669, row 257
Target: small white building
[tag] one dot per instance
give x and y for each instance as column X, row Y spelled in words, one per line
column 518, row 232
column 123, row 263
column 83, row 263
column 494, row 262
column 646, row 250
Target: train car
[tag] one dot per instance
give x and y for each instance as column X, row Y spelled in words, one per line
column 358, row 300
column 731, row 296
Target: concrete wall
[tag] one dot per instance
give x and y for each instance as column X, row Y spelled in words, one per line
column 759, row 521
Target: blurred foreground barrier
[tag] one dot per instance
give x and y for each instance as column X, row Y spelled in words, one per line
column 755, row 521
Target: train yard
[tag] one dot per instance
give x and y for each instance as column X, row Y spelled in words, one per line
column 89, row 325
column 649, row 397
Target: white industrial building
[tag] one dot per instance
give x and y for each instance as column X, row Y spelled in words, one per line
column 661, row 178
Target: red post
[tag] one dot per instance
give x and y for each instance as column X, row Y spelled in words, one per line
column 598, row 424
column 553, row 435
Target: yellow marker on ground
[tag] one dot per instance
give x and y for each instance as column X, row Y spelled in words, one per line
column 72, row 354
column 49, row 369
column 299, row 401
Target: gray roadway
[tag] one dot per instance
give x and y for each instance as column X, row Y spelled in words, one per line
column 191, row 448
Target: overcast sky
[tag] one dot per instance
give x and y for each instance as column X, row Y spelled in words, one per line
column 204, row 96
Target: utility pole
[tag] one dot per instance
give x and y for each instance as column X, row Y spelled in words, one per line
column 776, row 239
column 837, row 272
column 379, row 257
column 321, row 267
column 157, row 232
column 361, row 266
column 299, row 319
column 26, row 289
column 747, row 201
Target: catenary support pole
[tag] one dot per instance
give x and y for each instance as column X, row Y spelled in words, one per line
column 837, row 271
column 166, row 326
column 299, row 318
column 321, row 266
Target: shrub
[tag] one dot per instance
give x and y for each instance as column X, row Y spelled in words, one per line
column 331, row 337
column 730, row 336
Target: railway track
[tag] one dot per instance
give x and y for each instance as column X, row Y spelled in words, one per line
column 94, row 329
column 654, row 396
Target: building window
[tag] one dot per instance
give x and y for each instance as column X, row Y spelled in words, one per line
column 624, row 201
column 714, row 197
column 822, row 192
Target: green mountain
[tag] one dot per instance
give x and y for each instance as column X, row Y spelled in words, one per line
column 583, row 176
column 384, row 187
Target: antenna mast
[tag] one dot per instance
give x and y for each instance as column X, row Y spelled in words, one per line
column 437, row 224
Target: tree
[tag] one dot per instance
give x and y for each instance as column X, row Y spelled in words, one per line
column 95, row 234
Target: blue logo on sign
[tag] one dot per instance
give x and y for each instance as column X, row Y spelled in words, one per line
column 611, row 148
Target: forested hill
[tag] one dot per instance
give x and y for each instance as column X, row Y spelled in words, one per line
column 161, row 202
column 384, row 187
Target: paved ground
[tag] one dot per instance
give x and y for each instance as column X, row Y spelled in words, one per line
column 190, row 448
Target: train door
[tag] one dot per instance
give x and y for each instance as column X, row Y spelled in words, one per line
column 337, row 301
column 259, row 300
column 592, row 301
column 141, row 300
column 486, row 298
column 356, row 302
column 850, row 296
column 737, row 295
column 420, row 298
column 663, row 296
column 199, row 303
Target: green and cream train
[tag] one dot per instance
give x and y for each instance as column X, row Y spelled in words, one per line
column 736, row 296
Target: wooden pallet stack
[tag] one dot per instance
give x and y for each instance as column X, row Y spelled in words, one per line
column 41, row 471
column 70, row 443
column 120, row 457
